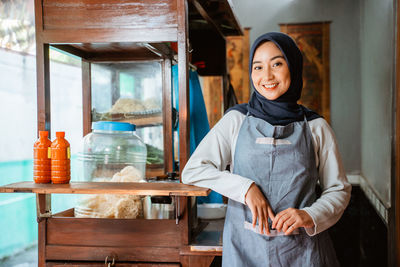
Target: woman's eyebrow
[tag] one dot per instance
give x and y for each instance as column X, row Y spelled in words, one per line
column 275, row 57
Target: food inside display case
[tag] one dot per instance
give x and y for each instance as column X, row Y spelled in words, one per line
column 112, row 152
column 113, row 206
column 154, row 155
column 128, row 105
column 144, row 113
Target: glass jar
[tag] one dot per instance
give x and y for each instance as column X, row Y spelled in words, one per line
column 111, row 147
column 112, row 152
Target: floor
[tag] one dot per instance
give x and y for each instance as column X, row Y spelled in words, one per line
column 26, row 258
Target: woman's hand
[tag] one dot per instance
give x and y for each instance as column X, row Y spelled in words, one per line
column 290, row 219
column 259, row 207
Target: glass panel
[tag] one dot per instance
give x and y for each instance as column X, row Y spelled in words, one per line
column 153, row 138
column 124, row 92
column 66, row 114
column 132, row 92
column 120, row 89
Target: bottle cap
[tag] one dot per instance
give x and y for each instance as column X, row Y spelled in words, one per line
column 60, row 134
column 43, row 134
column 113, row 126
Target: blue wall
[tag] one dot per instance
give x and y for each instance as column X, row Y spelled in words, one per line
column 18, row 228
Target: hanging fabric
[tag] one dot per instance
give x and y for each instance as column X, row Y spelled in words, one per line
column 199, row 125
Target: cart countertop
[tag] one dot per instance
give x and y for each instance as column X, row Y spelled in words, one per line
column 144, row 189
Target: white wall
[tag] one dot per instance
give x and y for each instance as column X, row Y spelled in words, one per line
column 18, row 110
column 377, row 61
column 17, row 106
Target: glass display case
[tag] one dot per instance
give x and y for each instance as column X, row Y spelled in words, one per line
column 132, row 92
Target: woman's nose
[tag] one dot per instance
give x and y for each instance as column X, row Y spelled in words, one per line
column 268, row 74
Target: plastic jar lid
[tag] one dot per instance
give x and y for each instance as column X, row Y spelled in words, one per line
column 113, row 126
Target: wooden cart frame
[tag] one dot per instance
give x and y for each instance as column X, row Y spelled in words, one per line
column 122, row 31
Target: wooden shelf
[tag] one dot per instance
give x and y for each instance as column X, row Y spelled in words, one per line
column 98, row 52
column 208, row 242
column 153, row 170
column 144, row 189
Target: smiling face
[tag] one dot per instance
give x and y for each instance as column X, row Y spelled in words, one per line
column 270, row 72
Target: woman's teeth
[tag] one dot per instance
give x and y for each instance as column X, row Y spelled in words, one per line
column 269, row 86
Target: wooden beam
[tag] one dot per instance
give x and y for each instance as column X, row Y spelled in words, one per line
column 41, row 205
column 183, row 83
column 184, row 118
column 167, row 116
column 125, row 253
column 152, row 35
column 70, row 50
column 87, row 96
column 233, row 19
column 396, row 228
column 197, row 261
column 160, row 49
column 205, row 15
column 43, row 84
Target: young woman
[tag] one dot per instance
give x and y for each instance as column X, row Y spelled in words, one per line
column 278, row 150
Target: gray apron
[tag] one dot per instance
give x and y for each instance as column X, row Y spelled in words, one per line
column 281, row 161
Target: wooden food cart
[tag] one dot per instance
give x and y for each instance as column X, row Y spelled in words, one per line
column 128, row 31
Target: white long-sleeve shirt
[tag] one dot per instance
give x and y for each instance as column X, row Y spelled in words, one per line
column 206, row 168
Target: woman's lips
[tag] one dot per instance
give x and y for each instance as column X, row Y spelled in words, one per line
column 270, row 86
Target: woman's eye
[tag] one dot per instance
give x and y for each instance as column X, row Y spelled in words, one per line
column 257, row 68
column 277, row 64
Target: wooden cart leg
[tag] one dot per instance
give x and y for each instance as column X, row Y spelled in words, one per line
column 196, row 261
column 43, row 207
column 41, row 243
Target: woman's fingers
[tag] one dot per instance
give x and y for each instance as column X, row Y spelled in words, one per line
column 260, row 219
column 258, row 215
column 270, row 213
column 290, row 219
column 254, row 213
column 264, row 220
column 292, row 228
column 277, row 218
column 279, row 221
column 259, row 207
column 288, row 223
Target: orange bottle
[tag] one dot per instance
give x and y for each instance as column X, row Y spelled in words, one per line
column 41, row 160
column 60, row 160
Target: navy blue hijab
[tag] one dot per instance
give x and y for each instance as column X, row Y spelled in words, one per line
column 284, row 109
